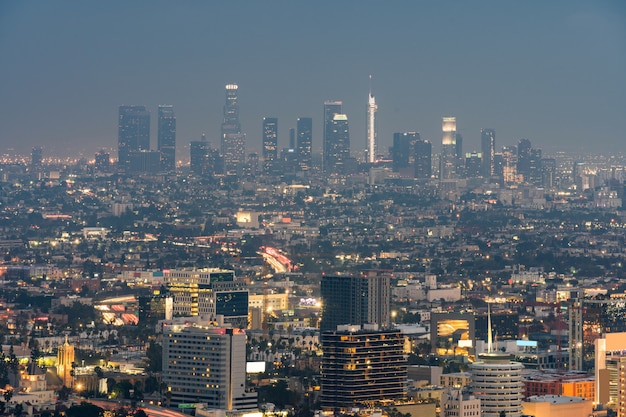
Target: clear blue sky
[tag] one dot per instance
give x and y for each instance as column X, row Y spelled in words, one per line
column 550, row 71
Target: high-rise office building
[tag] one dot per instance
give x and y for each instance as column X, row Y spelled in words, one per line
column 488, row 149
column 337, row 147
column 401, row 150
column 460, row 156
column 354, row 300
column 207, row 365
column 199, row 156
column 423, row 159
column 523, row 158
column 497, row 381
column 270, row 143
column 473, row 164
column 167, row 137
column 448, row 159
column 209, row 292
column 548, row 172
column 362, row 367
column 304, row 143
column 331, row 108
column 133, row 133
column 535, row 175
column 292, row 138
column 233, row 141
column 372, row 107
column 36, row 157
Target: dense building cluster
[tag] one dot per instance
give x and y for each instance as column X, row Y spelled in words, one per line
column 450, row 283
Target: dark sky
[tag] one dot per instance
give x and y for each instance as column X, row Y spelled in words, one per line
column 550, row 71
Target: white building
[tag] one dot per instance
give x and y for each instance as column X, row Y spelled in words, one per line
column 455, row 403
column 497, row 382
column 207, row 365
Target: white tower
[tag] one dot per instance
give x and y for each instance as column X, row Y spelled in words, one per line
column 371, row 126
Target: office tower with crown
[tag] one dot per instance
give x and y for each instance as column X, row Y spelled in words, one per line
column 133, row 133
column 448, row 159
column 233, row 147
column 167, row 137
column 270, row 143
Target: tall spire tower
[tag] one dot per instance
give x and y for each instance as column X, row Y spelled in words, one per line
column 371, row 126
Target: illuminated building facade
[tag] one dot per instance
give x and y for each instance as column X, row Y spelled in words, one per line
column 209, row 292
column 233, row 141
column 452, row 333
column 362, row 367
column 167, row 137
column 270, row 143
column 65, row 358
column 372, row 107
column 589, row 320
column 207, row 365
column 448, row 159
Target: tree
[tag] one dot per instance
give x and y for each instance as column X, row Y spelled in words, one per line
column 155, row 357
column 85, row 409
column 18, row 410
column 140, row 413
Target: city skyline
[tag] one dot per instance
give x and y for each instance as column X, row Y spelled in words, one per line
column 557, row 82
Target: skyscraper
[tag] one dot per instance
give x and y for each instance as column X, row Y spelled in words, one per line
column 199, row 156
column 448, row 160
column 36, row 157
column 362, row 367
column 337, row 147
column 233, row 141
column 133, row 133
column 423, row 159
column 488, row 149
column 167, row 137
column 354, row 300
column 207, row 365
column 401, row 150
column 371, row 126
column 331, row 108
column 523, row 158
column 304, row 142
column 270, row 143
